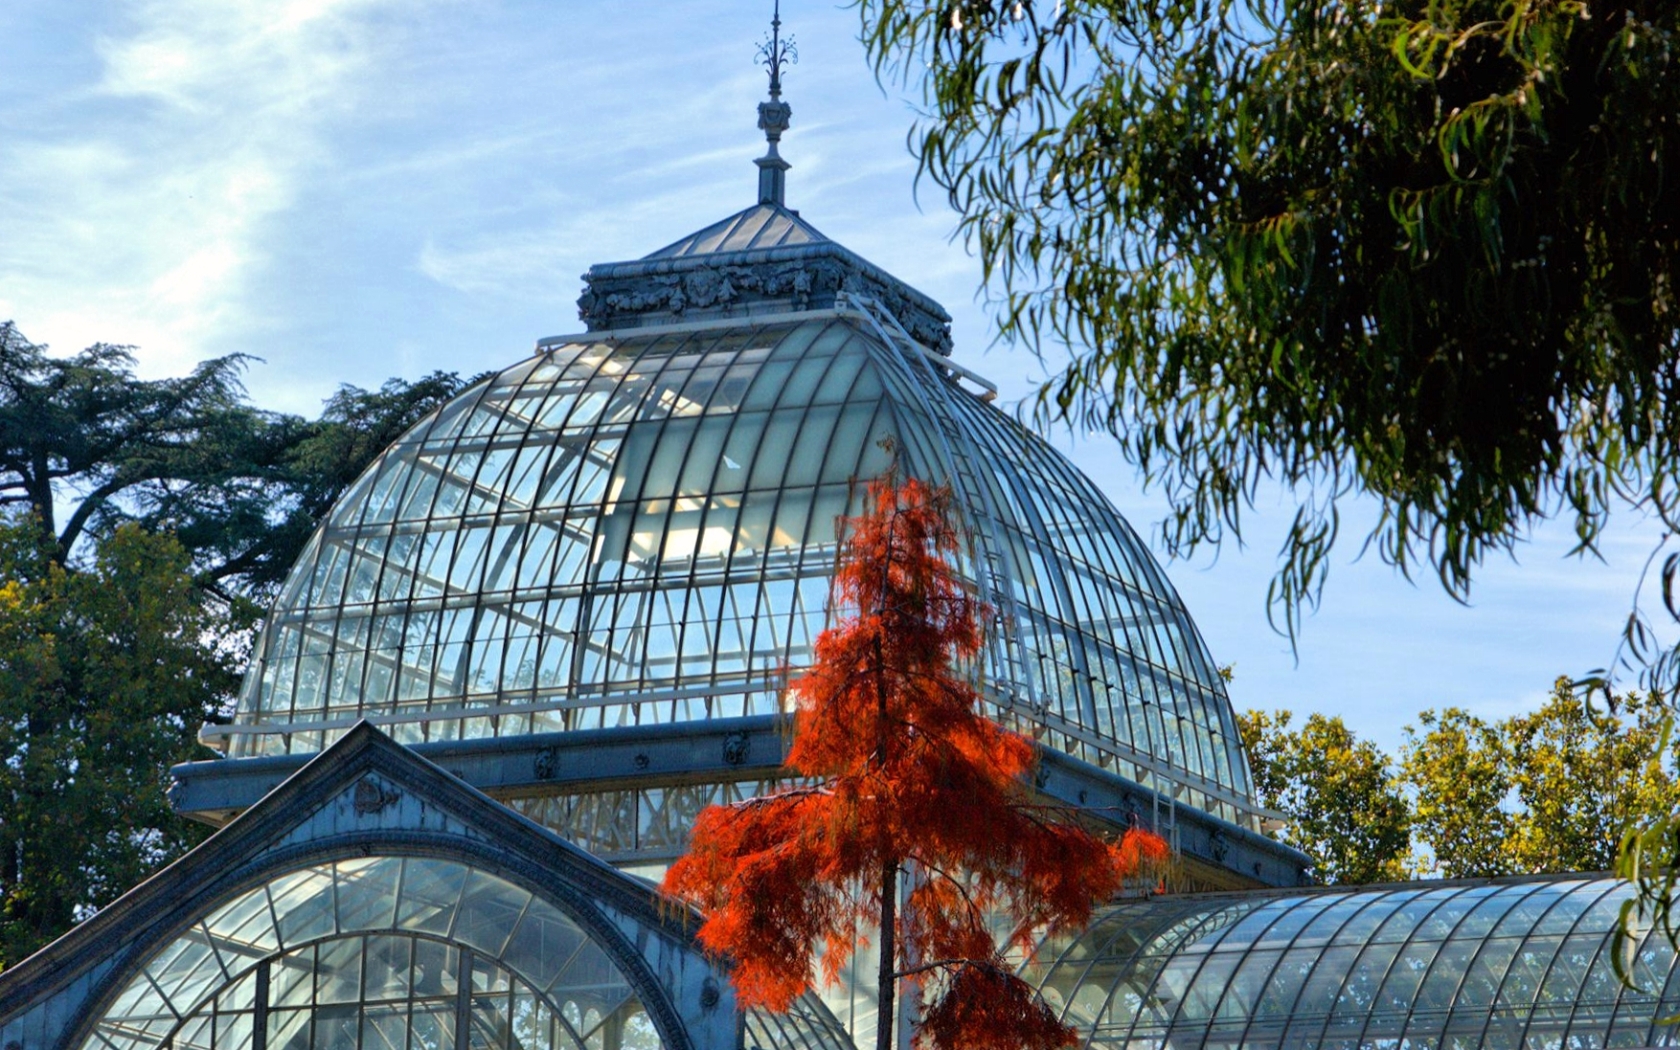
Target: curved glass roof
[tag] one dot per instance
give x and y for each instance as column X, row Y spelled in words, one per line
column 1491, row 966
column 371, row 952
column 399, row 953
column 642, row 528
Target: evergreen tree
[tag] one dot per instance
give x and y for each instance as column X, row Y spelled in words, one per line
column 141, row 524
column 86, row 445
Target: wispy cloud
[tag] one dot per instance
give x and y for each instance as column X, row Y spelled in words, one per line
column 135, row 206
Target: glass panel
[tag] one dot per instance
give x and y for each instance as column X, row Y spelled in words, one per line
column 288, row 1029
column 244, row 927
column 432, row 1028
column 431, row 891
column 489, row 910
column 291, row 979
column 385, row 1027
column 545, row 941
column 338, row 971
column 389, row 965
column 303, row 905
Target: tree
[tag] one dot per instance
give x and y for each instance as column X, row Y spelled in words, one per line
column 106, row 675
column 1460, row 769
column 247, row 526
column 141, row 523
column 1345, row 806
column 1420, row 250
column 86, row 424
column 918, row 820
column 1583, row 773
column 1551, row 790
column 241, row 488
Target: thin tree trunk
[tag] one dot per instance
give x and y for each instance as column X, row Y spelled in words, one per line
column 887, row 983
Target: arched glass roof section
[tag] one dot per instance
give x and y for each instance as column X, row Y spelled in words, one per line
column 1517, row 965
column 380, row 953
column 398, row 953
column 641, row 529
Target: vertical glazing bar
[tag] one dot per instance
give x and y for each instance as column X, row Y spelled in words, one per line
column 463, row 1002
column 259, row 1009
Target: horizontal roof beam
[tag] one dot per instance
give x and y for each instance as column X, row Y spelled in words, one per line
column 729, row 749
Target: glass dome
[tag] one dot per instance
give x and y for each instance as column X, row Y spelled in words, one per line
column 640, row 527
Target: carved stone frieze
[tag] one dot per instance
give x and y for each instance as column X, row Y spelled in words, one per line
column 625, row 295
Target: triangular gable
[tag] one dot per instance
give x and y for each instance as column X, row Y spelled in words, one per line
column 366, row 794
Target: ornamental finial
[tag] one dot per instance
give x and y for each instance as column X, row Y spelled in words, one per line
column 773, row 116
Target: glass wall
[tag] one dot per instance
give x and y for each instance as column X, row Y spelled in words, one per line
column 1512, row 965
column 643, row 530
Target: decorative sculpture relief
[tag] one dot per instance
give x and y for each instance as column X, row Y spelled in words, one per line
column 736, row 748
column 374, row 797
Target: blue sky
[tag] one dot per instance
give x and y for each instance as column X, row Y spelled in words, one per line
column 353, row 189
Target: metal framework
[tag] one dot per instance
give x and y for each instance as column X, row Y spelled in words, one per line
column 627, row 793
column 640, row 529
column 1511, row 965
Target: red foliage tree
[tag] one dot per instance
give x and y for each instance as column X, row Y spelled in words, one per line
column 912, row 783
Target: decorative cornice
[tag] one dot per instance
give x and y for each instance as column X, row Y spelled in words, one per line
column 743, row 283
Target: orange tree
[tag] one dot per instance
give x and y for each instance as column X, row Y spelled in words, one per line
column 918, row 821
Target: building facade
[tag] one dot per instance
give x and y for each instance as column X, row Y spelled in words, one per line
column 557, row 618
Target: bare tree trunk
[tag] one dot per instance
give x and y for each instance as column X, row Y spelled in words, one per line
column 886, row 1009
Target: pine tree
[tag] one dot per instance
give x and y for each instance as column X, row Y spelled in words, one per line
column 916, row 799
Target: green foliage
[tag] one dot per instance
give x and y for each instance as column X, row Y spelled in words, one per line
column 247, row 527
column 1553, row 790
column 242, row 489
column 1582, row 772
column 1459, row 769
column 85, row 428
column 106, row 673
column 1344, row 804
column 1422, row 250
column 140, row 523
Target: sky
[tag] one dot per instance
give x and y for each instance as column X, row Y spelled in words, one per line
column 357, row 189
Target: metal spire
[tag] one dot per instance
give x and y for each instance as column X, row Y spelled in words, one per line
column 775, row 53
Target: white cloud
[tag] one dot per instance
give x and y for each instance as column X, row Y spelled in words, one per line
column 135, row 202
